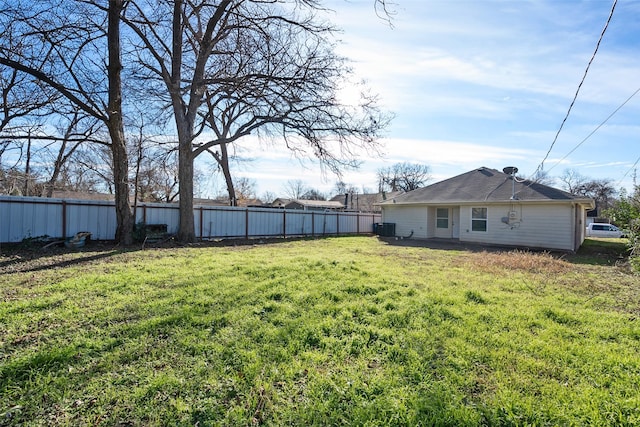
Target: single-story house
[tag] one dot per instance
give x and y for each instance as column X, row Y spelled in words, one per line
column 314, row 205
column 280, row 202
column 487, row 206
column 366, row 202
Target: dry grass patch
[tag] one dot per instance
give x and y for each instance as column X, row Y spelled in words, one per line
column 530, row 262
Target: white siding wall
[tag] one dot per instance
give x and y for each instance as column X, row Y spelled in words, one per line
column 431, row 222
column 407, row 218
column 541, row 226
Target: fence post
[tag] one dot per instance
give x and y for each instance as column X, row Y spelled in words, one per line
column 337, row 224
column 284, row 223
column 64, row 219
column 246, row 224
column 201, row 229
column 313, row 224
column 358, row 223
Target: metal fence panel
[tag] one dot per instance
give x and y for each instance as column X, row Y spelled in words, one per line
column 325, row 223
column 97, row 218
column 24, row 217
column 265, row 222
column 159, row 213
column 299, row 223
column 224, row 223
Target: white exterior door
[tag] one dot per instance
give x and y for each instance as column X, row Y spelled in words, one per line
column 455, row 223
column 443, row 223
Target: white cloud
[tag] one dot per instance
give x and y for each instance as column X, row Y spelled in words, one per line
column 485, row 84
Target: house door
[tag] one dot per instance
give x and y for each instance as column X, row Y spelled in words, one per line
column 443, row 223
column 455, row 223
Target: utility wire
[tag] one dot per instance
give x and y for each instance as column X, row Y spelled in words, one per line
column 596, row 129
column 627, row 172
column 541, row 166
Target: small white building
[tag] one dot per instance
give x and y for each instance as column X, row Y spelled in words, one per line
column 314, row 205
column 487, row 206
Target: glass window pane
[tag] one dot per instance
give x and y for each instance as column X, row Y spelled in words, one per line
column 479, row 213
column 442, row 223
column 478, row 225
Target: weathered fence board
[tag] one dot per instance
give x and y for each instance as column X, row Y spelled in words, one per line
column 25, row 217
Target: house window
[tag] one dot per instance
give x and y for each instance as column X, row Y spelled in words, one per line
column 478, row 219
column 442, row 218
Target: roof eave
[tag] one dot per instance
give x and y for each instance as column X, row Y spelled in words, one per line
column 581, row 201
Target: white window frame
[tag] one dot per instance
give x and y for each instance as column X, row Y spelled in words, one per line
column 485, row 219
column 438, row 218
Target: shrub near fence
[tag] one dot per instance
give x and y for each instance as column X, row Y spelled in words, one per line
column 25, row 217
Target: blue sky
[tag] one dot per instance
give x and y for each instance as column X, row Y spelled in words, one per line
column 486, row 83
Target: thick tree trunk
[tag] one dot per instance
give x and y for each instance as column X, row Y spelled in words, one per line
column 116, row 129
column 186, row 229
column 184, row 125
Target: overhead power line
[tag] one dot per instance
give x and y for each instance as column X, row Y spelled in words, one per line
column 596, row 129
column 541, row 165
column 627, row 172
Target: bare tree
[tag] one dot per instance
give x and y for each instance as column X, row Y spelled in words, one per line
column 294, row 188
column 221, row 59
column 313, row 194
column 283, row 81
column 571, row 180
column 21, row 105
column 179, row 67
column 242, row 67
column 22, row 101
column 245, row 190
column 76, row 130
column 342, row 188
column 60, row 44
column 601, row 190
column 541, row 177
column 403, row 177
column 268, row 197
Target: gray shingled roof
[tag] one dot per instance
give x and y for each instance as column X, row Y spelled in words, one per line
column 483, row 185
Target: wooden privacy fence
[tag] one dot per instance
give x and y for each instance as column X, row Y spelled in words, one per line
column 25, row 217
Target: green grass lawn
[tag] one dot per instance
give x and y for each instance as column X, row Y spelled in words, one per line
column 339, row 331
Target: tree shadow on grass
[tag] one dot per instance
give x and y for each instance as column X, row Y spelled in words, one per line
column 38, row 255
column 20, row 259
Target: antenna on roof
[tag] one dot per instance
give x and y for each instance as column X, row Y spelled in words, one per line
column 512, row 170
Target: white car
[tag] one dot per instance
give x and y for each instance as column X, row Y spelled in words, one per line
column 603, row 230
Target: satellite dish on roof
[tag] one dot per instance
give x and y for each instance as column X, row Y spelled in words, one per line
column 512, row 170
